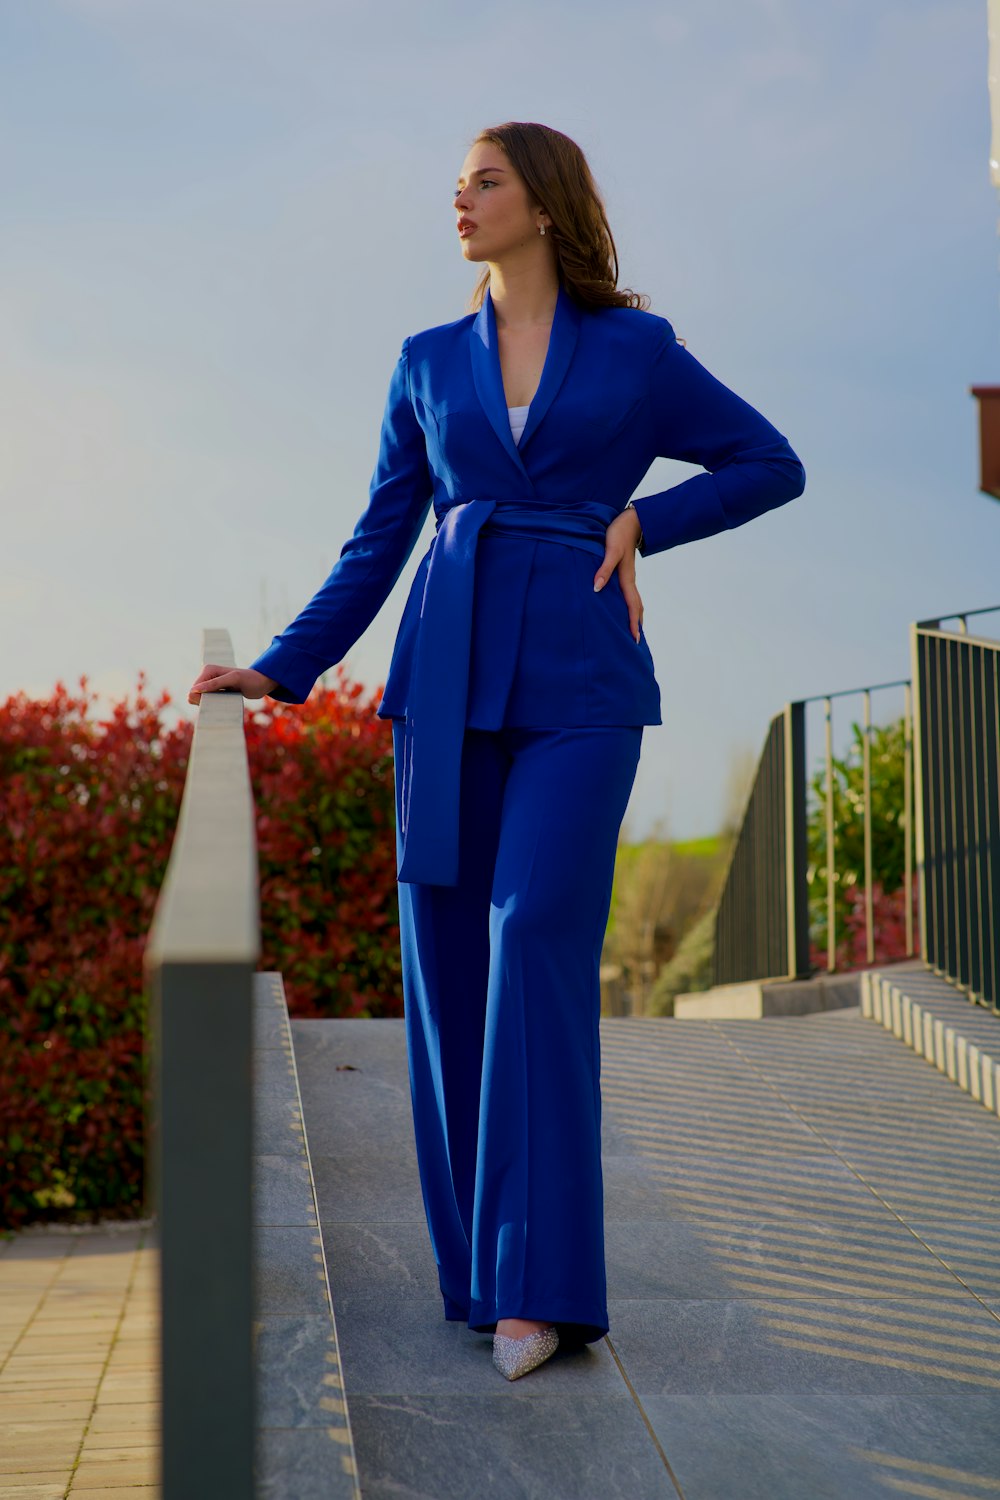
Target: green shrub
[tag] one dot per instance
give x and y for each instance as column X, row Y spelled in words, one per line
column 689, row 970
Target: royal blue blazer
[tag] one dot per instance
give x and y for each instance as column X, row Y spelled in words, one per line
column 502, row 625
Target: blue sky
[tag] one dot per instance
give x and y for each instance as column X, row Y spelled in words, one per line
column 219, row 220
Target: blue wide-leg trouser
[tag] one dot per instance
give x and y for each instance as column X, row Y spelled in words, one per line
column 502, row 1001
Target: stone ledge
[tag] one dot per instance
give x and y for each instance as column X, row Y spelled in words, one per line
column 961, row 1039
column 757, row 998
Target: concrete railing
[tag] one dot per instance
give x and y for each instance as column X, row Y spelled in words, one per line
column 200, row 960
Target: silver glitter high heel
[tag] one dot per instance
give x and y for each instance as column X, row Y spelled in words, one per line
column 516, row 1357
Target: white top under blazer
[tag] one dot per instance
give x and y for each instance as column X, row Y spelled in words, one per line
column 518, row 417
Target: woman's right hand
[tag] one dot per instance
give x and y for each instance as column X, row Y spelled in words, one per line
column 231, row 680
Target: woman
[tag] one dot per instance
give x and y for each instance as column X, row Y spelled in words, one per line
column 519, row 686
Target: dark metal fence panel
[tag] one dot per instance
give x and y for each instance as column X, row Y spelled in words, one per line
column 957, row 723
column 200, row 959
column 762, row 919
column 796, row 840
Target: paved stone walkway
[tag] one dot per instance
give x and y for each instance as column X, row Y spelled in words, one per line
column 803, row 1237
column 79, row 1411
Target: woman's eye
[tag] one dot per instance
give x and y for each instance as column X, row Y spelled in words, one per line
column 486, row 182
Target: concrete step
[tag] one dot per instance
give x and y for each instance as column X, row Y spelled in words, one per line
column 305, row 1448
column 755, row 998
column 941, row 1024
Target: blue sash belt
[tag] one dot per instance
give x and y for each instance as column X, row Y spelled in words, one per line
column 439, row 685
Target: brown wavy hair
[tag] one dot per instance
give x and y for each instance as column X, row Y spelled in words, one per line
column 555, row 172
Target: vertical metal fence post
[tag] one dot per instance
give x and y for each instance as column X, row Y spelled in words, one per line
column 991, row 746
column 908, row 813
column 917, row 670
column 796, row 883
column 831, row 873
column 867, row 758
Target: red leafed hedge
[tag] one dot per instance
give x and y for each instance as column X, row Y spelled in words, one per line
column 87, row 812
column 323, row 784
column 888, row 929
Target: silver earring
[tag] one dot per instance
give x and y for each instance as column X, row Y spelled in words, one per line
column 541, row 229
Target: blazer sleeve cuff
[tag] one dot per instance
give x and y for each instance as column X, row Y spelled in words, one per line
column 686, row 512
column 760, row 480
column 294, row 671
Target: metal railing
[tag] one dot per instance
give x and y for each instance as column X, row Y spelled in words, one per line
column 762, row 918
column 831, row 872
column 200, row 960
column 761, row 924
column 958, row 818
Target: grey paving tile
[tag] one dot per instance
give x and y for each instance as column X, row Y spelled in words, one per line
column 948, row 1111
column 296, row 1357
column 273, row 1070
column 952, row 1153
column 907, row 1346
column 871, row 1064
column 880, row 1058
column 705, row 1072
column 358, row 1093
column 971, row 1248
column 282, row 1190
column 377, row 1047
column 354, row 1116
column 269, row 1025
column 923, row 1088
column 638, row 1187
column 370, row 1258
column 951, row 1129
column 665, row 1257
column 732, row 1128
column 852, row 1134
column 753, row 1255
column 543, row 1448
column 277, row 1125
column 812, row 1185
column 380, row 1185
column 671, row 1076
column 922, row 1186
column 310, row 1464
column 403, row 1346
column 829, row 1447
column 630, row 1189
column 290, row 1276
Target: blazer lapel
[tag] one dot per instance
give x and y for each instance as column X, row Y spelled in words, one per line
column 488, row 378
column 562, row 343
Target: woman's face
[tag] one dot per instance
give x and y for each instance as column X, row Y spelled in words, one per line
column 494, row 211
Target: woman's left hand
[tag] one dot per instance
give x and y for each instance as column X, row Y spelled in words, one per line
column 620, row 542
